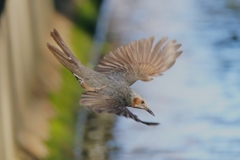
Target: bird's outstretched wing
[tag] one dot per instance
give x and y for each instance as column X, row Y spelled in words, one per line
column 140, row 60
column 102, row 103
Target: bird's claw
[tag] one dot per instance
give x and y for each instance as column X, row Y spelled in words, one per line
column 99, row 89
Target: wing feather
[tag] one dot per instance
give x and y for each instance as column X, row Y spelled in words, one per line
column 140, row 60
column 102, row 103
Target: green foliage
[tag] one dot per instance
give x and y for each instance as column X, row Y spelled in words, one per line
column 65, row 100
column 62, row 127
column 86, row 15
column 81, row 42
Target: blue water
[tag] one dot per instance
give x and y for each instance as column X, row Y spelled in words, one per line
column 197, row 101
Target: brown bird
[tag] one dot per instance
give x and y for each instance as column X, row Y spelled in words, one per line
column 107, row 86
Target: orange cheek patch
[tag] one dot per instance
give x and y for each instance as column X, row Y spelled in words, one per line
column 135, row 102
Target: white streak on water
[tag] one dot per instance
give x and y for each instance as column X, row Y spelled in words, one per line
column 197, row 101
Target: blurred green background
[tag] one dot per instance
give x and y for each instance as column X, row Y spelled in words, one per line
column 41, row 119
column 196, row 101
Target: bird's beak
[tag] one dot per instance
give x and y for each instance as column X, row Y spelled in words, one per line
column 149, row 111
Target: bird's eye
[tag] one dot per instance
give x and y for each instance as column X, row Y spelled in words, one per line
column 142, row 102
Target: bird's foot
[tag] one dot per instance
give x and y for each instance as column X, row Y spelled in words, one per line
column 86, row 87
column 99, row 89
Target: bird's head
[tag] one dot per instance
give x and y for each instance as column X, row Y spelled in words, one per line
column 137, row 101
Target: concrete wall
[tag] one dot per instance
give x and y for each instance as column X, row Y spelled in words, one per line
column 24, row 111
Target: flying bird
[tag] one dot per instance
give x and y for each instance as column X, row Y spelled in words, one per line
column 107, row 86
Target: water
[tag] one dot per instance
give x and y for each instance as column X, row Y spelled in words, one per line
column 197, row 101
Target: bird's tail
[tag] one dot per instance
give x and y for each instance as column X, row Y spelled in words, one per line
column 65, row 57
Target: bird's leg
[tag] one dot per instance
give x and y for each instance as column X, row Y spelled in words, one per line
column 86, row 86
column 99, row 89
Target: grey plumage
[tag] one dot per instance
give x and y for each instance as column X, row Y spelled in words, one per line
column 102, row 103
column 108, row 85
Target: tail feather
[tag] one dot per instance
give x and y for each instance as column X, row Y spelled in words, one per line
column 65, row 57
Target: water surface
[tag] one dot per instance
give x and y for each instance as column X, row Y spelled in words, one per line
column 197, row 101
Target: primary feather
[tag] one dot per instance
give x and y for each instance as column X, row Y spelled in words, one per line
column 140, row 60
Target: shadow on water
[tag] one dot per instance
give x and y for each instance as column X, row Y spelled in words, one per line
column 197, row 101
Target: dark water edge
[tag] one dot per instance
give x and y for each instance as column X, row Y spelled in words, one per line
column 98, row 129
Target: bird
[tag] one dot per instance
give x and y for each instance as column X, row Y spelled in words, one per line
column 107, row 85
